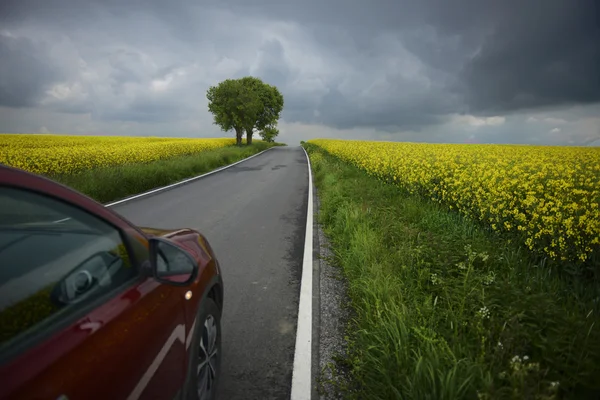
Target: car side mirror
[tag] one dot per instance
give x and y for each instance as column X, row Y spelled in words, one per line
column 171, row 264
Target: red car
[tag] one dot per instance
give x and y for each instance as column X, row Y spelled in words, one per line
column 93, row 307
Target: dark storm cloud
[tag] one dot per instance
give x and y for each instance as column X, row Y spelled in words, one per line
column 144, row 110
column 538, row 54
column 126, row 66
column 272, row 65
column 414, row 112
column 385, row 64
column 25, row 71
column 498, row 56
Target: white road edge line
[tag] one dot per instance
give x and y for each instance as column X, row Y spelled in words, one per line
column 137, row 196
column 301, row 375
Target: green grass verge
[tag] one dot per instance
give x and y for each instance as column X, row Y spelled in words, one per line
column 445, row 309
column 113, row 183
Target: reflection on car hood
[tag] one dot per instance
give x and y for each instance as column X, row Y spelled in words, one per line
column 162, row 232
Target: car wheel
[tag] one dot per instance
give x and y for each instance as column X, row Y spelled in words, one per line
column 205, row 357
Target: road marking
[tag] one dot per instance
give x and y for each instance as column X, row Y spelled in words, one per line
column 301, row 375
column 157, row 190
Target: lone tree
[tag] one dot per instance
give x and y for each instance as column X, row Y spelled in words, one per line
column 269, row 133
column 271, row 101
column 233, row 106
column 244, row 104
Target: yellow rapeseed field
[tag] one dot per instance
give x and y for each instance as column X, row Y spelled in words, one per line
column 57, row 154
column 547, row 196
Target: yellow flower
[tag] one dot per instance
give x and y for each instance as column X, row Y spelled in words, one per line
column 56, row 154
column 551, row 194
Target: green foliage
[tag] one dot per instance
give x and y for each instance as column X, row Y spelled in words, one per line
column 233, row 106
column 244, row 104
column 271, row 100
column 445, row 309
column 112, row 183
column 269, row 133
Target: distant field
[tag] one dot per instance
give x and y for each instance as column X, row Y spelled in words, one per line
column 545, row 197
column 57, row 154
column 108, row 168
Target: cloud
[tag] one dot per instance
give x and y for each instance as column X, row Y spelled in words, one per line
column 431, row 70
column 533, row 57
column 26, row 70
column 555, row 121
column 479, row 121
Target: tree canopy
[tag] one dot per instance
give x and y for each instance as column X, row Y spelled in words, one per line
column 244, row 104
column 269, row 133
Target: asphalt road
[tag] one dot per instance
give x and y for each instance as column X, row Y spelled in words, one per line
column 254, row 216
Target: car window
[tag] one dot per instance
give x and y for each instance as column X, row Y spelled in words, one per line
column 55, row 259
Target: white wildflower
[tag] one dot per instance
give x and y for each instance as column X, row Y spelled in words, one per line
column 484, row 312
column 489, row 278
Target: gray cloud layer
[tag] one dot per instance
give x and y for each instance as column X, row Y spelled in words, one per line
column 25, row 71
column 541, row 55
column 389, row 66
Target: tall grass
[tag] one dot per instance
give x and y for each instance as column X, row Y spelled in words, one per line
column 445, row 309
column 113, row 183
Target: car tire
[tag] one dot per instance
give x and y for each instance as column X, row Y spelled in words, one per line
column 205, row 355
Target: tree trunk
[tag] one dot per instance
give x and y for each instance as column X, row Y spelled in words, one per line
column 238, row 136
column 249, row 136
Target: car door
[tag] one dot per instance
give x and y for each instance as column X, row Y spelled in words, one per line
column 79, row 316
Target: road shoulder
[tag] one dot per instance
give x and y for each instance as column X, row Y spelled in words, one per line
column 333, row 316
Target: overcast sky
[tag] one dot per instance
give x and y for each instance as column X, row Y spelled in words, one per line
column 488, row 71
